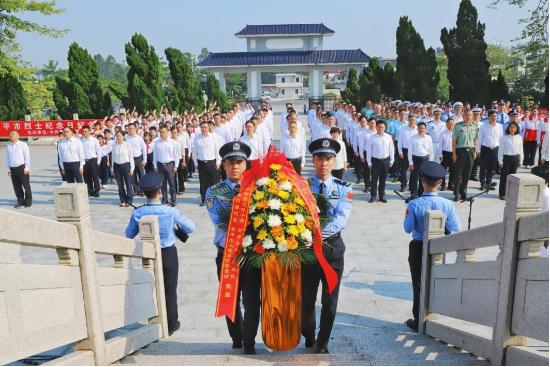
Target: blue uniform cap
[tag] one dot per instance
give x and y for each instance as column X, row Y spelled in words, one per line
column 433, row 170
column 235, row 150
column 324, row 147
column 151, row 181
column 512, row 113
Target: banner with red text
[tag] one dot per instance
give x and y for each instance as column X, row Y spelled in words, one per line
column 40, row 128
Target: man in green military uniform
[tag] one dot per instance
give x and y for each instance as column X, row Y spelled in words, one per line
column 464, row 142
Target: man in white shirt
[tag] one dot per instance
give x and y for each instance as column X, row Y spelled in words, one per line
column 405, row 134
column 254, row 141
column 420, row 151
column 166, row 159
column 206, row 158
column 380, row 157
column 445, row 152
column 363, row 144
column 140, row 155
column 92, row 159
column 71, row 157
column 294, row 146
column 488, row 140
column 18, row 165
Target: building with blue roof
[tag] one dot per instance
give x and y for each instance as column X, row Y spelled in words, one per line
column 283, row 48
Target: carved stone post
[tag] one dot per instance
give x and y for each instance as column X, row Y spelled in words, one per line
column 149, row 233
column 524, row 193
column 435, row 227
column 72, row 206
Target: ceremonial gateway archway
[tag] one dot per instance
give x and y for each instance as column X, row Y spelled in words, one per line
column 283, row 48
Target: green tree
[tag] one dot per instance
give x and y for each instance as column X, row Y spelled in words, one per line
column 12, row 22
column 443, row 84
column 39, row 95
column 82, row 93
column 416, row 66
column 235, row 84
column 49, row 70
column 214, row 93
column 350, row 94
column 187, row 87
column 505, row 60
column 499, row 89
column 369, row 83
column 13, row 104
column 465, row 47
column 389, row 84
column 144, row 76
column 110, row 69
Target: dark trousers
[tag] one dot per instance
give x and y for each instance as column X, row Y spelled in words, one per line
column 379, row 172
column 338, row 173
column 104, row 170
column 138, row 172
column 447, row 163
column 463, row 167
column 475, row 167
column 529, row 151
column 91, row 176
column 297, row 164
column 21, row 185
column 394, row 170
column 167, row 171
column 311, row 276
column 124, row 182
column 170, row 266
column 488, row 159
column 510, row 164
column 416, row 187
column 415, row 265
column 358, row 166
column 403, row 167
column 365, row 172
column 208, row 175
column 350, row 155
column 149, row 167
column 181, row 177
column 72, row 172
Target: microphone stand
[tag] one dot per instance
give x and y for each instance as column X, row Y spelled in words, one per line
column 406, row 200
column 471, row 201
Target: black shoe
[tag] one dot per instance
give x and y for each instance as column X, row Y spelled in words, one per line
column 96, row 195
column 237, row 344
column 402, row 189
column 321, row 350
column 358, row 181
column 365, row 190
column 412, row 324
column 176, row 327
column 371, row 200
column 202, row 203
column 463, row 198
column 383, row 200
column 309, row 343
column 493, row 184
column 502, row 197
column 18, row 206
column 490, row 188
column 28, row 205
column 455, row 198
column 482, row 187
column 250, row 349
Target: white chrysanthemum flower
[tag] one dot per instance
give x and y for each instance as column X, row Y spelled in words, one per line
column 262, row 181
column 281, row 246
column 300, row 218
column 252, row 209
column 286, row 186
column 306, row 235
column 268, row 244
column 274, row 220
column 247, row 241
column 274, row 204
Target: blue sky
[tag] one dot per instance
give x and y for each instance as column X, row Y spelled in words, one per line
column 104, row 26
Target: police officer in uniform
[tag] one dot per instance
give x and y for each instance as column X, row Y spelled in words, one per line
column 432, row 176
column 219, row 199
column 168, row 218
column 340, row 195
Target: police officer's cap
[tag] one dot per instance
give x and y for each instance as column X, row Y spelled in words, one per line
column 476, row 109
column 513, row 113
column 433, row 170
column 501, row 102
column 151, row 181
column 458, row 104
column 491, row 111
column 324, row 147
column 235, row 150
column 437, row 110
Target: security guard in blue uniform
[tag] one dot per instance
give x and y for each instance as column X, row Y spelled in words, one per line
column 219, row 199
column 339, row 194
column 432, row 176
column 169, row 218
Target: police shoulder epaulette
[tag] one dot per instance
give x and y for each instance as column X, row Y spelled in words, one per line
column 341, row 182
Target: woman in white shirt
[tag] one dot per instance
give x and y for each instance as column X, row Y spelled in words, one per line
column 510, row 154
column 123, row 169
column 341, row 163
column 255, row 142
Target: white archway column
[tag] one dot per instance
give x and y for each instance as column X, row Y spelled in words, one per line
column 220, row 75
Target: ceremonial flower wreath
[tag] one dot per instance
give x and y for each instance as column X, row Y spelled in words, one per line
column 279, row 222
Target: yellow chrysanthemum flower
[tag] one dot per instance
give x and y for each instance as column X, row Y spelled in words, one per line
column 290, row 219
column 279, row 239
column 293, row 230
column 300, row 201
column 275, row 167
column 262, row 235
column 258, row 195
column 301, row 227
column 257, row 221
column 291, row 243
column 283, row 194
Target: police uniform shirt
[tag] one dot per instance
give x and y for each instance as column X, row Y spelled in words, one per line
column 166, row 151
column 503, row 118
column 414, row 216
column 17, row 155
column 167, row 217
column 445, row 143
column 339, row 194
column 398, row 127
column 420, row 146
column 218, row 203
column 489, row 136
column 71, row 151
column 138, row 146
column 380, row 147
column 405, row 136
column 294, row 148
column 206, row 148
column 435, row 129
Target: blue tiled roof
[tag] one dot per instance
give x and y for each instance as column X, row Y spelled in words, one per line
column 267, row 29
column 285, row 58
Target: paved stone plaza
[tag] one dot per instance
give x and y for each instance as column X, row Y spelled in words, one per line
column 375, row 299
